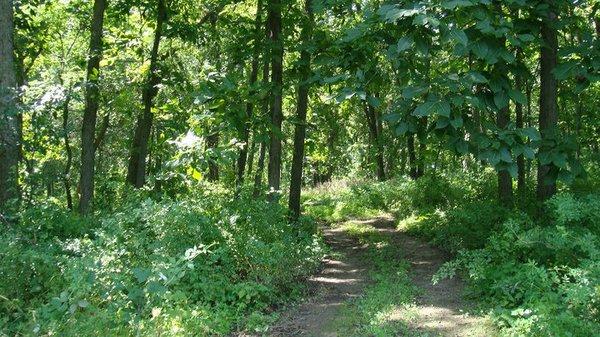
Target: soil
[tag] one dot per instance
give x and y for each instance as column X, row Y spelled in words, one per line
column 438, row 309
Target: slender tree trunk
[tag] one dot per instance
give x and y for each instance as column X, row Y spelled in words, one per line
column 274, row 20
column 102, row 132
column 374, row 135
column 66, row 178
column 520, row 124
column 9, row 121
column 251, row 153
column 504, row 179
column 212, row 142
column 92, row 98
column 243, row 155
column 548, row 118
column 136, row 173
column 412, row 156
column 258, row 176
column 259, row 169
column 422, row 148
column 301, row 110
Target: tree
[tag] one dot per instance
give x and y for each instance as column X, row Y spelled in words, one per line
column 301, row 110
column 92, row 98
column 9, row 123
column 136, row 172
column 243, row 155
column 548, row 117
column 274, row 169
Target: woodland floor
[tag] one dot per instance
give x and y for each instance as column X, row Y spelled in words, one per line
column 435, row 310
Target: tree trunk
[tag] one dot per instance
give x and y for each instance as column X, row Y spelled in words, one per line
column 92, row 98
column 212, row 142
column 548, row 118
column 251, row 153
column 260, row 167
column 9, row 121
column 274, row 20
column 520, row 124
column 136, row 173
column 66, row 178
column 504, row 178
column 373, row 123
column 422, row 147
column 301, row 110
column 412, row 157
column 243, row 155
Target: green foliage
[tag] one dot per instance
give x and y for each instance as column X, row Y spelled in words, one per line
column 200, row 266
column 540, row 278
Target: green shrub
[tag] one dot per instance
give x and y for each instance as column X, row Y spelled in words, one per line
column 540, row 278
column 193, row 267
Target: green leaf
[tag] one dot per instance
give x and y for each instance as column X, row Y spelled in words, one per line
column 401, row 129
column 391, row 13
column 462, row 147
column 517, row 96
column 528, row 152
column 459, row 36
column 501, row 100
column 505, row 155
column 442, row 123
column 565, row 70
column 531, row 133
column 476, row 77
column 412, row 92
column 452, row 4
column 457, row 122
column 405, row 43
column 141, row 274
column 442, row 108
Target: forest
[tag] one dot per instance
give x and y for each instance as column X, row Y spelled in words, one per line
column 300, row 168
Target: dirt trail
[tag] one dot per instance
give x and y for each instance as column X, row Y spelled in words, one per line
column 342, row 278
column 438, row 308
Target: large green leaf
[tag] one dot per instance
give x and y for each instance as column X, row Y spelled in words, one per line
column 404, row 43
column 441, row 108
column 565, row 70
column 459, row 36
column 412, row 92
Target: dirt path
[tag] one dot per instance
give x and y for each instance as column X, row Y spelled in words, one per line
column 342, row 278
column 438, row 309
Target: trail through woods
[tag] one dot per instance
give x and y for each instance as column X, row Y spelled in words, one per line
column 436, row 310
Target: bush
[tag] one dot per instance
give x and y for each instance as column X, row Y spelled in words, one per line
column 186, row 267
column 541, row 277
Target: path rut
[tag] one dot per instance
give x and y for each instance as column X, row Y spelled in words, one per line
column 438, row 309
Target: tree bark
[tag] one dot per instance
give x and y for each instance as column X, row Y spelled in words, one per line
column 548, row 118
column 136, row 173
column 412, row 157
column 505, row 193
column 274, row 21
column 520, row 124
column 243, row 155
column 212, row 142
column 373, row 123
column 301, row 110
column 66, row 178
column 259, row 170
column 9, row 121
column 92, row 98
column 422, row 147
column 250, row 161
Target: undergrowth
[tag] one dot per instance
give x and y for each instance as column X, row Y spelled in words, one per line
column 203, row 265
